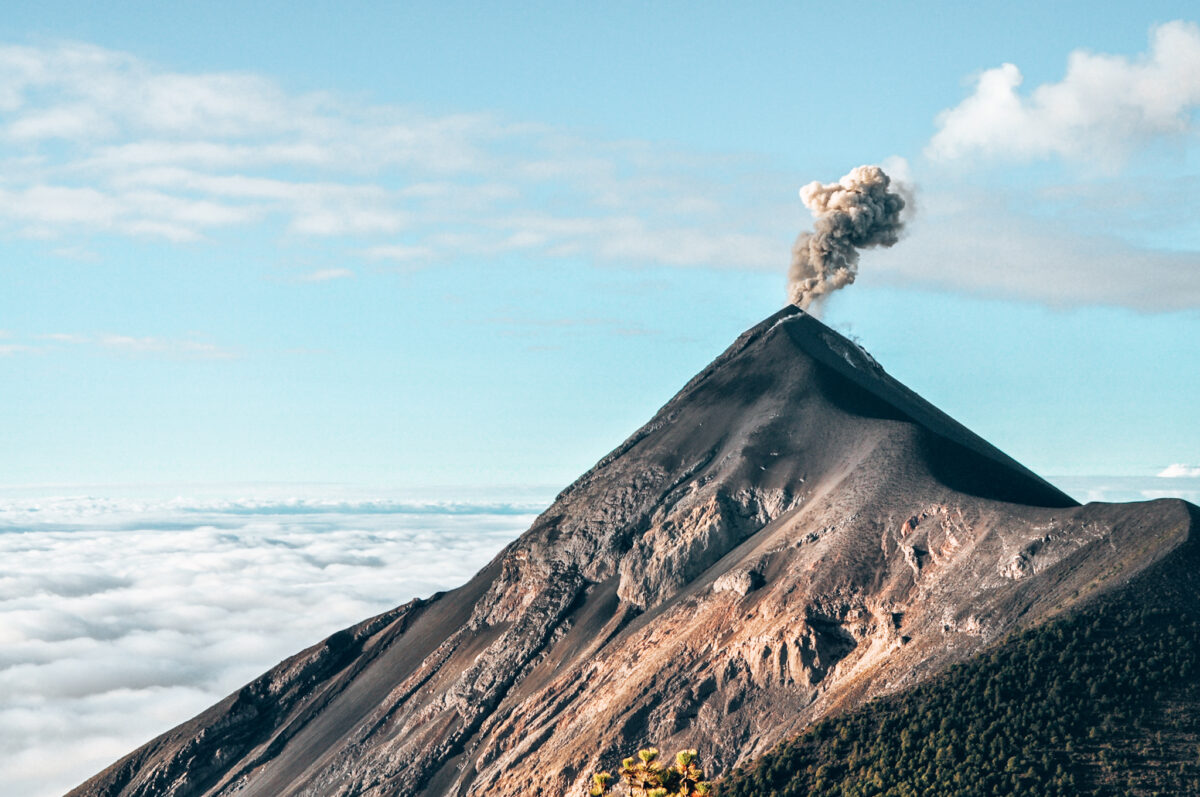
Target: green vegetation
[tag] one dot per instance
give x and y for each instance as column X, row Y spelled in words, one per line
column 643, row 777
column 1106, row 701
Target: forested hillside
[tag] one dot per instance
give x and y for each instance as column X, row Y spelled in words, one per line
column 1104, row 701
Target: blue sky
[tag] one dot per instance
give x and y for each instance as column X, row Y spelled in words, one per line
column 478, row 244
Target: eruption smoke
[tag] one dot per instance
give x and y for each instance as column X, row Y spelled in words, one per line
column 854, row 213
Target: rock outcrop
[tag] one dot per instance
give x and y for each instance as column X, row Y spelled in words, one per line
column 793, row 533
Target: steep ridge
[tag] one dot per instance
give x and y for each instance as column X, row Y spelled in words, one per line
column 792, row 534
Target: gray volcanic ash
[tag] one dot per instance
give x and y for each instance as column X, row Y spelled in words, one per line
column 793, row 533
column 857, row 212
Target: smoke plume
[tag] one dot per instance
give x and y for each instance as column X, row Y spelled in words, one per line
column 857, row 212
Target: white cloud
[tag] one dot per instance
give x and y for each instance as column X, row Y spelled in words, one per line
column 1117, row 489
column 683, row 246
column 61, row 122
column 188, row 349
column 114, row 145
column 624, row 238
column 346, row 220
column 977, row 243
column 389, row 184
column 60, row 205
column 51, row 209
column 180, row 348
column 1103, row 107
column 80, row 253
column 399, row 252
column 65, row 337
column 1180, row 471
column 121, row 618
column 80, row 91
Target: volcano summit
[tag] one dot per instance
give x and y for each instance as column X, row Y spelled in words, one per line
column 793, row 534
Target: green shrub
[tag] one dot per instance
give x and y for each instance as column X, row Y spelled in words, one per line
column 644, row 777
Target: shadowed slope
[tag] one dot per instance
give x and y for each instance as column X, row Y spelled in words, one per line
column 793, row 533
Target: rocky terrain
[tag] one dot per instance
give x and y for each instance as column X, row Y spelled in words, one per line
column 791, row 535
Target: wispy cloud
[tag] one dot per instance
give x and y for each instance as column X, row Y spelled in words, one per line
column 1114, row 489
column 65, row 337
column 1180, row 471
column 151, row 345
column 105, row 144
column 327, row 274
column 44, row 210
column 80, row 253
column 115, row 145
column 399, row 252
column 182, row 348
column 983, row 243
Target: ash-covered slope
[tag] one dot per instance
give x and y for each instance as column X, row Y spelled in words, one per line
column 793, row 533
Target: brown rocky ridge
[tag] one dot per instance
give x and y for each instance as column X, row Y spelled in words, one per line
column 794, row 533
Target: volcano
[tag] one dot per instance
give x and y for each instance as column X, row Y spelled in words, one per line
column 793, row 534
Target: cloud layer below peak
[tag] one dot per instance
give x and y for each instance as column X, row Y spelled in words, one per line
column 122, row 618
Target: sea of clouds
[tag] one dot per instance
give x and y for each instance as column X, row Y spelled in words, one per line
column 1175, row 481
column 121, row 617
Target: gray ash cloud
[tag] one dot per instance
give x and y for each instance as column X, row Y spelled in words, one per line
column 859, row 211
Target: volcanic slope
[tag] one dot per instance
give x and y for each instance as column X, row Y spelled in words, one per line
column 793, row 534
